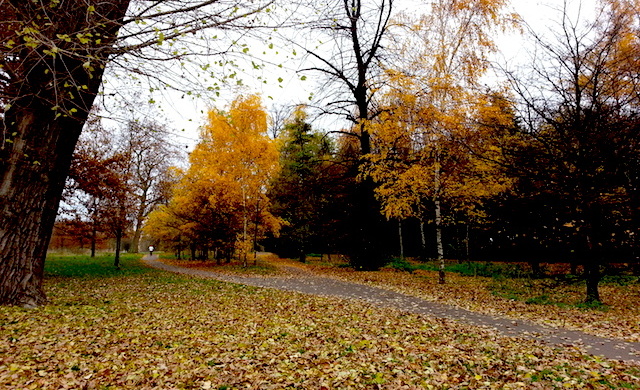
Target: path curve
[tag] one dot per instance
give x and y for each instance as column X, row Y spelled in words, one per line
column 311, row 283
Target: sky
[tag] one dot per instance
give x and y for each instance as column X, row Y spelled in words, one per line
column 282, row 85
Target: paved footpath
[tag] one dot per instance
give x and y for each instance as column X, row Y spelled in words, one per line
column 309, row 283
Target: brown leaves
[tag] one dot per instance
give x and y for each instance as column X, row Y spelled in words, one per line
column 486, row 295
column 159, row 332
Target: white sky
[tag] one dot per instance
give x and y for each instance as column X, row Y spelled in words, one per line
column 185, row 114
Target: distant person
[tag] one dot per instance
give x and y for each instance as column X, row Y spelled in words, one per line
column 151, row 248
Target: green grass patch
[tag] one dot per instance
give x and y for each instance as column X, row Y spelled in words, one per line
column 101, row 266
column 620, row 280
column 401, row 264
column 485, row 269
column 544, row 291
column 592, row 306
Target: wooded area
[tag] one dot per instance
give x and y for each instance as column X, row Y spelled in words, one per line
column 436, row 163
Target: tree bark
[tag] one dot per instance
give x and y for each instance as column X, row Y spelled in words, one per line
column 116, row 260
column 137, row 232
column 438, row 220
column 400, row 239
column 94, row 237
column 423, row 242
column 30, row 193
column 43, row 129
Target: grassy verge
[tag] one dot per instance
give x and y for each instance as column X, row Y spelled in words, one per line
column 152, row 330
column 101, row 266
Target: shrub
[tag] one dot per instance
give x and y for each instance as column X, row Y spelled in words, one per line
column 401, row 265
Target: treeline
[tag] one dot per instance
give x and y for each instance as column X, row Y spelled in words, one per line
column 435, row 164
column 545, row 167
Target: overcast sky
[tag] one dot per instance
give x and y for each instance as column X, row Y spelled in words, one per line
column 185, row 114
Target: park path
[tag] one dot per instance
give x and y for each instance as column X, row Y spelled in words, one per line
column 301, row 280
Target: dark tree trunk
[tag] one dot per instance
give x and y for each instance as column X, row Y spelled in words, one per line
column 43, row 124
column 423, row 242
column 592, row 278
column 116, row 260
column 137, row 232
column 94, row 237
column 400, row 239
column 30, row 193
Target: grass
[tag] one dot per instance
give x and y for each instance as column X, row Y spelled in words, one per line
column 516, row 281
column 101, row 266
column 154, row 330
column 486, row 269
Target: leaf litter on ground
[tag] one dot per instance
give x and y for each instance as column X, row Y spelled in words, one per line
column 160, row 331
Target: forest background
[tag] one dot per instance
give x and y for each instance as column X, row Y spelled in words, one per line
column 430, row 161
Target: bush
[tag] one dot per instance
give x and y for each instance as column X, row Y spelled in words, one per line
column 401, row 265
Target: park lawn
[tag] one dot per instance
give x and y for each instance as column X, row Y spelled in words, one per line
column 154, row 330
column 545, row 301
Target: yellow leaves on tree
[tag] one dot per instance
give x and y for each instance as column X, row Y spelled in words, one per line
column 427, row 143
column 222, row 197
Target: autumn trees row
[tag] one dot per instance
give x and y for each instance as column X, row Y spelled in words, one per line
column 219, row 204
column 547, row 159
column 53, row 57
column 540, row 168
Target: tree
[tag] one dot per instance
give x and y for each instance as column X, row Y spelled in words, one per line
column 352, row 35
column 99, row 179
column 298, row 193
column 151, row 155
column 221, row 199
column 426, row 144
column 579, row 123
column 54, row 55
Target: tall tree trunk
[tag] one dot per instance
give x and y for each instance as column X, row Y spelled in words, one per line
column 438, row 221
column 29, row 194
column 439, row 246
column 94, row 238
column 467, row 239
column 137, row 232
column 592, row 256
column 44, row 127
column 367, row 251
column 255, row 233
column 400, row 239
column 116, row 260
column 423, row 242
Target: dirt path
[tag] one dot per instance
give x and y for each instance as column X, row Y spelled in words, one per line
column 300, row 280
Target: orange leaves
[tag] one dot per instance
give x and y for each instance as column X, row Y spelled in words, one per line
column 222, row 195
column 428, row 146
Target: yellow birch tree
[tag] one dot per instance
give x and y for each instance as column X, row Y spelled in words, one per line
column 422, row 139
column 222, row 196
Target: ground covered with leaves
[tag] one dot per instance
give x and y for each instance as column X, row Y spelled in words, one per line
column 547, row 301
column 147, row 329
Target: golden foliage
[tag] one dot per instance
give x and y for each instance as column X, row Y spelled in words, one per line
column 228, row 176
column 429, row 144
